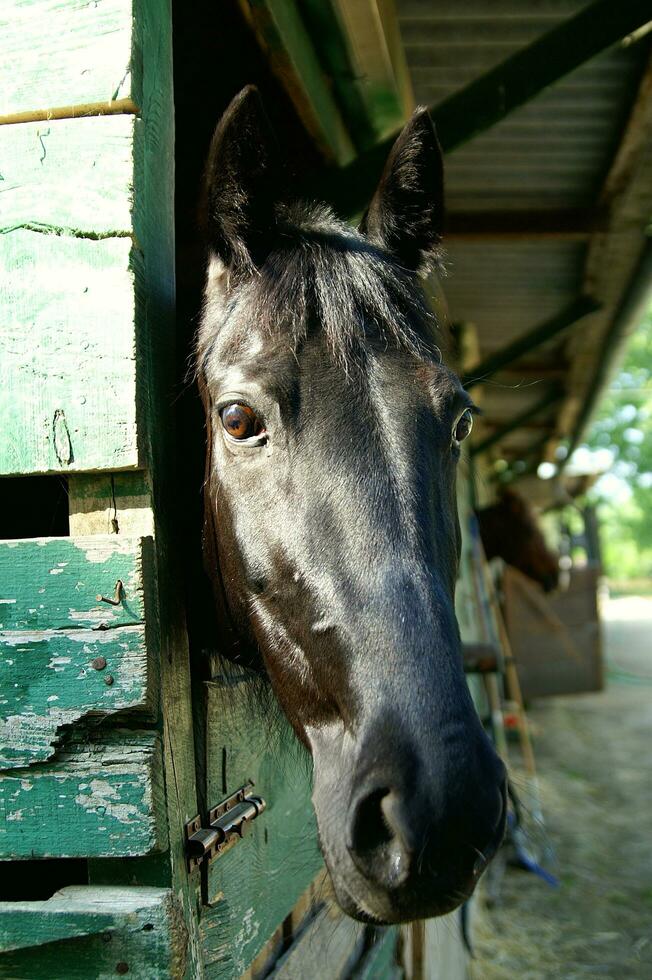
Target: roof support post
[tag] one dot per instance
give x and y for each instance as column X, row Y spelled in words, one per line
column 529, row 341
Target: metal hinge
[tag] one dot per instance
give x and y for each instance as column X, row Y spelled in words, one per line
column 227, row 823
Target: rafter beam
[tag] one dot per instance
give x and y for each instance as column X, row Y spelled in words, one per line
column 627, row 318
column 495, row 94
column 569, row 226
column 550, row 398
column 570, row 315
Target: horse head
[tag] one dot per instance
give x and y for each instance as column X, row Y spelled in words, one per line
column 510, row 530
column 334, row 433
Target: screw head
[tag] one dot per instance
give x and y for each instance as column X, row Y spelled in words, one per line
column 108, row 680
column 99, row 663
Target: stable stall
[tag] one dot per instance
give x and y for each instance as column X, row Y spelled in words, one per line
column 121, row 739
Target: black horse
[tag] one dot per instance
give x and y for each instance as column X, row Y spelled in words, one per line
column 332, row 537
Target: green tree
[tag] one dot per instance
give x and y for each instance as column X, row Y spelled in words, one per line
column 623, row 425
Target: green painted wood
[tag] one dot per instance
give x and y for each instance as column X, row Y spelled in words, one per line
column 349, row 36
column 68, row 52
column 254, row 886
column 101, row 796
column 157, row 373
column 53, row 583
column 281, row 29
column 381, row 961
column 47, row 680
column 329, row 37
column 98, row 932
column 81, row 175
column 78, row 314
column 67, row 354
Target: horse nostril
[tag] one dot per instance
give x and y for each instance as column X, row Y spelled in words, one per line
column 377, row 840
column 369, row 829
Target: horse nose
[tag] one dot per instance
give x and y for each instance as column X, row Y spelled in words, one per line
column 381, row 837
column 394, row 835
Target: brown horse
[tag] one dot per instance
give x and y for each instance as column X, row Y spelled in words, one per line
column 510, row 530
column 332, row 537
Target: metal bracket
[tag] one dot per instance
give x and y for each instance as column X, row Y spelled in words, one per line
column 228, row 822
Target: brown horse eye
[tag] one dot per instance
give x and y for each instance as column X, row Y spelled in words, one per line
column 464, row 426
column 240, row 421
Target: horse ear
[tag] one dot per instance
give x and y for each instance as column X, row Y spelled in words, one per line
column 405, row 216
column 242, row 185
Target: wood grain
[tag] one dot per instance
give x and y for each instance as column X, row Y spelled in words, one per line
column 110, row 503
column 47, row 680
column 328, row 948
column 67, row 354
column 65, row 52
column 53, row 583
column 90, row 930
column 101, row 796
column 81, row 175
column 53, row 629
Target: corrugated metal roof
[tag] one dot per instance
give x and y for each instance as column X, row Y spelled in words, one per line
column 552, row 154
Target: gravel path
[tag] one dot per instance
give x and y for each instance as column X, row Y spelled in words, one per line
column 594, row 754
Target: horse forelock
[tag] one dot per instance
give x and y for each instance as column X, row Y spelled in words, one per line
column 323, row 275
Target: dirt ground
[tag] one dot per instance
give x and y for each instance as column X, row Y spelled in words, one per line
column 594, row 754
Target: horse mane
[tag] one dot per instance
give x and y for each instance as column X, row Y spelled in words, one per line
column 322, row 274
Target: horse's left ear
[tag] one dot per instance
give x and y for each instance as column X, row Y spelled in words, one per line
column 243, row 182
column 406, row 214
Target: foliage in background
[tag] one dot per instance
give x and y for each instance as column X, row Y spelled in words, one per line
column 623, row 425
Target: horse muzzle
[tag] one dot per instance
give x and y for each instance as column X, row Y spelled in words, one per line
column 407, row 835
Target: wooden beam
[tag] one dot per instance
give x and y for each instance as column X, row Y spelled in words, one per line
column 359, row 46
column 519, row 421
column 526, row 371
column 630, row 314
column 282, row 35
column 496, row 94
column 569, row 226
column 374, row 64
column 568, row 317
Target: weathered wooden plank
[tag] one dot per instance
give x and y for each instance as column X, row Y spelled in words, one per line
column 99, row 931
column 78, row 174
column 381, row 960
column 53, row 583
column 110, row 503
column 283, row 36
column 386, row 91
column 328, row 948
column 67, row 354
column 101, row 796
column 67, row 52
column 53, row 678
column 61, row 655
column 254, row 886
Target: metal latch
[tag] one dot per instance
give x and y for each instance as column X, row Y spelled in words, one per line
column 228, row 822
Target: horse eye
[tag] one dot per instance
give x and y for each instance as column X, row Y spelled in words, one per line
column 240, row 421
column 463, row 426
